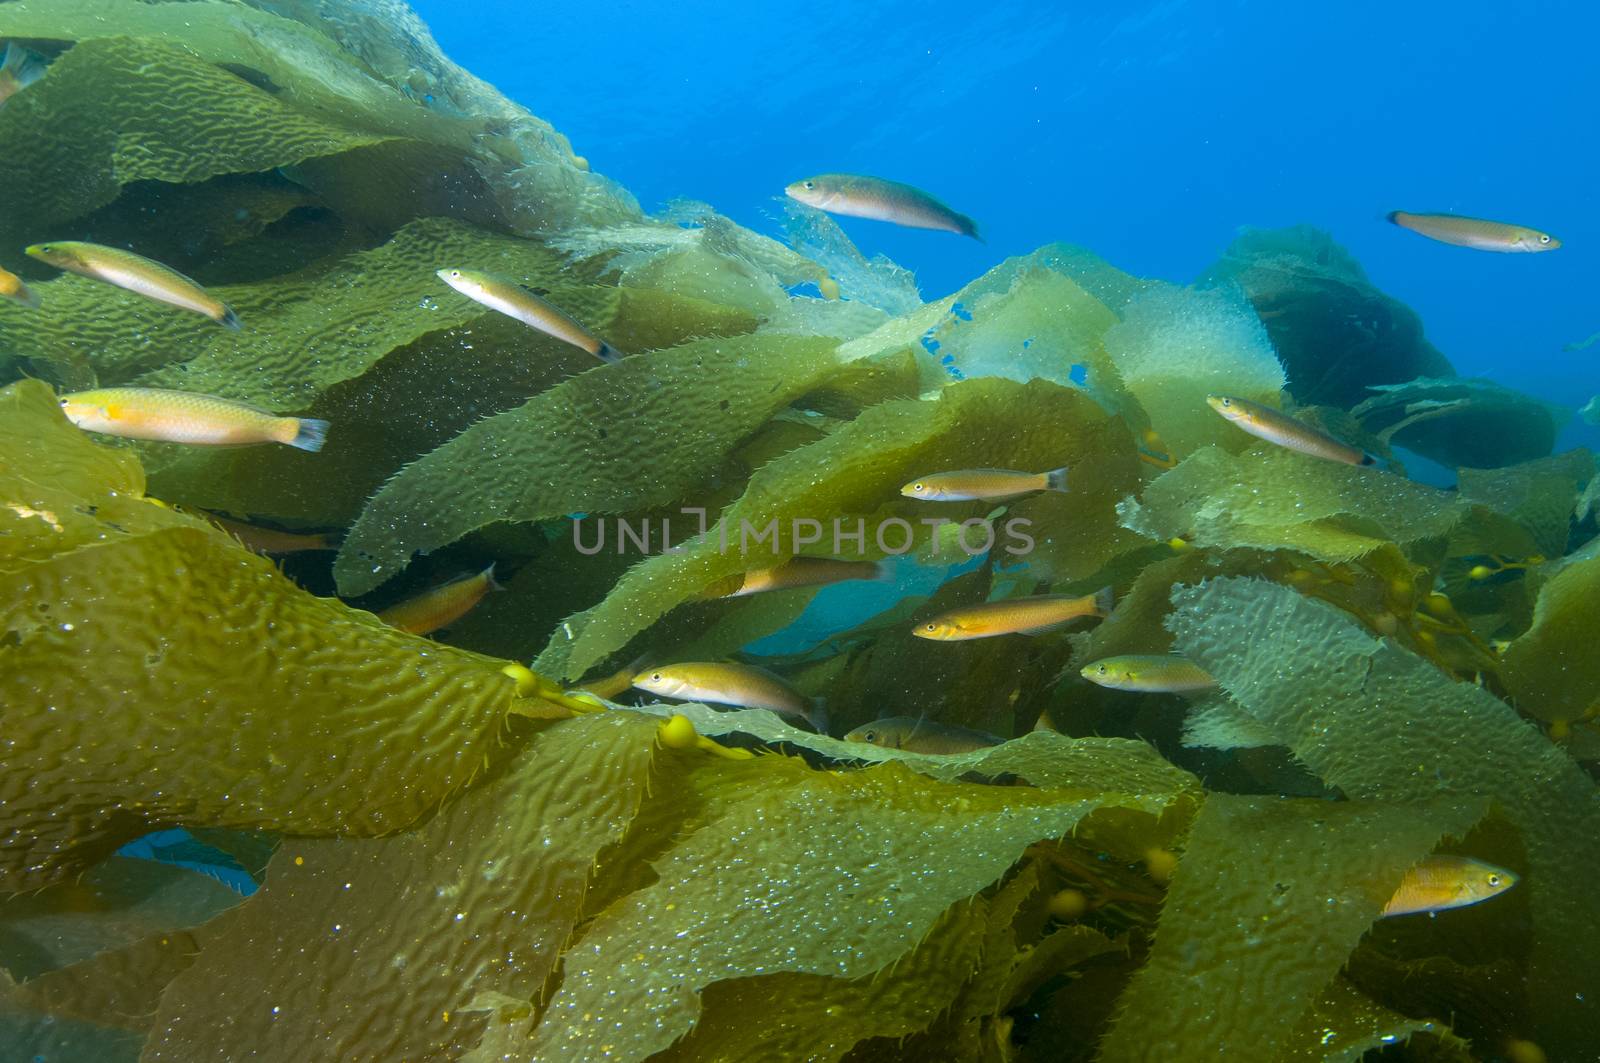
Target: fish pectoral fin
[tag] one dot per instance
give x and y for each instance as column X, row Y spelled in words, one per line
column 111, row 412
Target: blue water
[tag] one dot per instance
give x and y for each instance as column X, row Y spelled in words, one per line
column 1146, row 132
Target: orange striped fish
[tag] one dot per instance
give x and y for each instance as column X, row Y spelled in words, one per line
column 1014, row 616
column 1264, row 422
column 795, row 572
column 137, row 274
column 1441, row 882
column 442, row 606
column 967, row 485
column 731, row 684
column 182, row 417
column 272, row 540
column 523, row 304
column 12, row 287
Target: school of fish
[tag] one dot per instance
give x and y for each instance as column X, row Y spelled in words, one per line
column 1439, row 883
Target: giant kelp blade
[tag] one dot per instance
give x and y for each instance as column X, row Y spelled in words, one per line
column 1269, row 498
column 1268, row 902
column 1539, row 495
column 1344, row 1024
column 1462, row 422
column 853, row 477
column 907, row 999
column 247, row 705
column 1552, row 669
column 567, row 450
column 1383, row 724
column 787, row 897
column 379, row 948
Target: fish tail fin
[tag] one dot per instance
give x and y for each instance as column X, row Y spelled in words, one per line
column 28, row 297
column 882, row 570
column 819, row 715
column 1056, row 479
column 608, row 353
column 22, row 65
column 488, row 576
column 1104, row 600
column 229, row 319
column 1393, row 217
column 1045, row 722
column 309, row 434
column 969, row 227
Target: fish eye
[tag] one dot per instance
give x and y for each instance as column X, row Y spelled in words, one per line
column 809, row 184
column 655, row 677
column 930, row 627
column 918, row 487
column 1543, row 239
column 1227, row 401
column 870, row 736
column 63, row 402
column 1104, row 670
column 1494, row 880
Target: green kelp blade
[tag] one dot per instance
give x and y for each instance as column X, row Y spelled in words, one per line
column 854, row 476
column 583, row 446
column 123, row 109
column 786, row 896
column 1268, row 901
column 819, row 1018
column 1539, row 495
column 116, row 990
column 1553, row 669
column 1344, row 1024
column 250, row 704
column 1380, row 723
column 1270, row 498
column 1458, row 421
column 378, row 948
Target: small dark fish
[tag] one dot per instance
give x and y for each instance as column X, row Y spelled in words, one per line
column 915, row 735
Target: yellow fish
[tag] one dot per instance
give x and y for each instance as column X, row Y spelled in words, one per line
column 1475, row 232
column 12, row 287
column 140, row 275
column 858, row 196
column 915, row 735
column 1153, row 673
column 1014, row 616
column 795, row 572
column 271, row 540
column 181, row 417
column 442, row 606
column 1441, row 882
column 966, row 485
column 516, row 301
column 731, row 684
column 1264, row 422
column 20, row 69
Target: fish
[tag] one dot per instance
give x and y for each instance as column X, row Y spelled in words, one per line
column 140, row 275
column 183, row 417
column 523, row 304
column 20, row 69
column 441, row 606
column 796, row 572
column 731, row 684
column 272, row 540
column 1442, row 882
column 13, row 288
column 1013, row 616
column 916, row 735
column 1152, row 673
column 1264, row 422
column 966, row 485
column 858, row 196
column 1475, row 232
